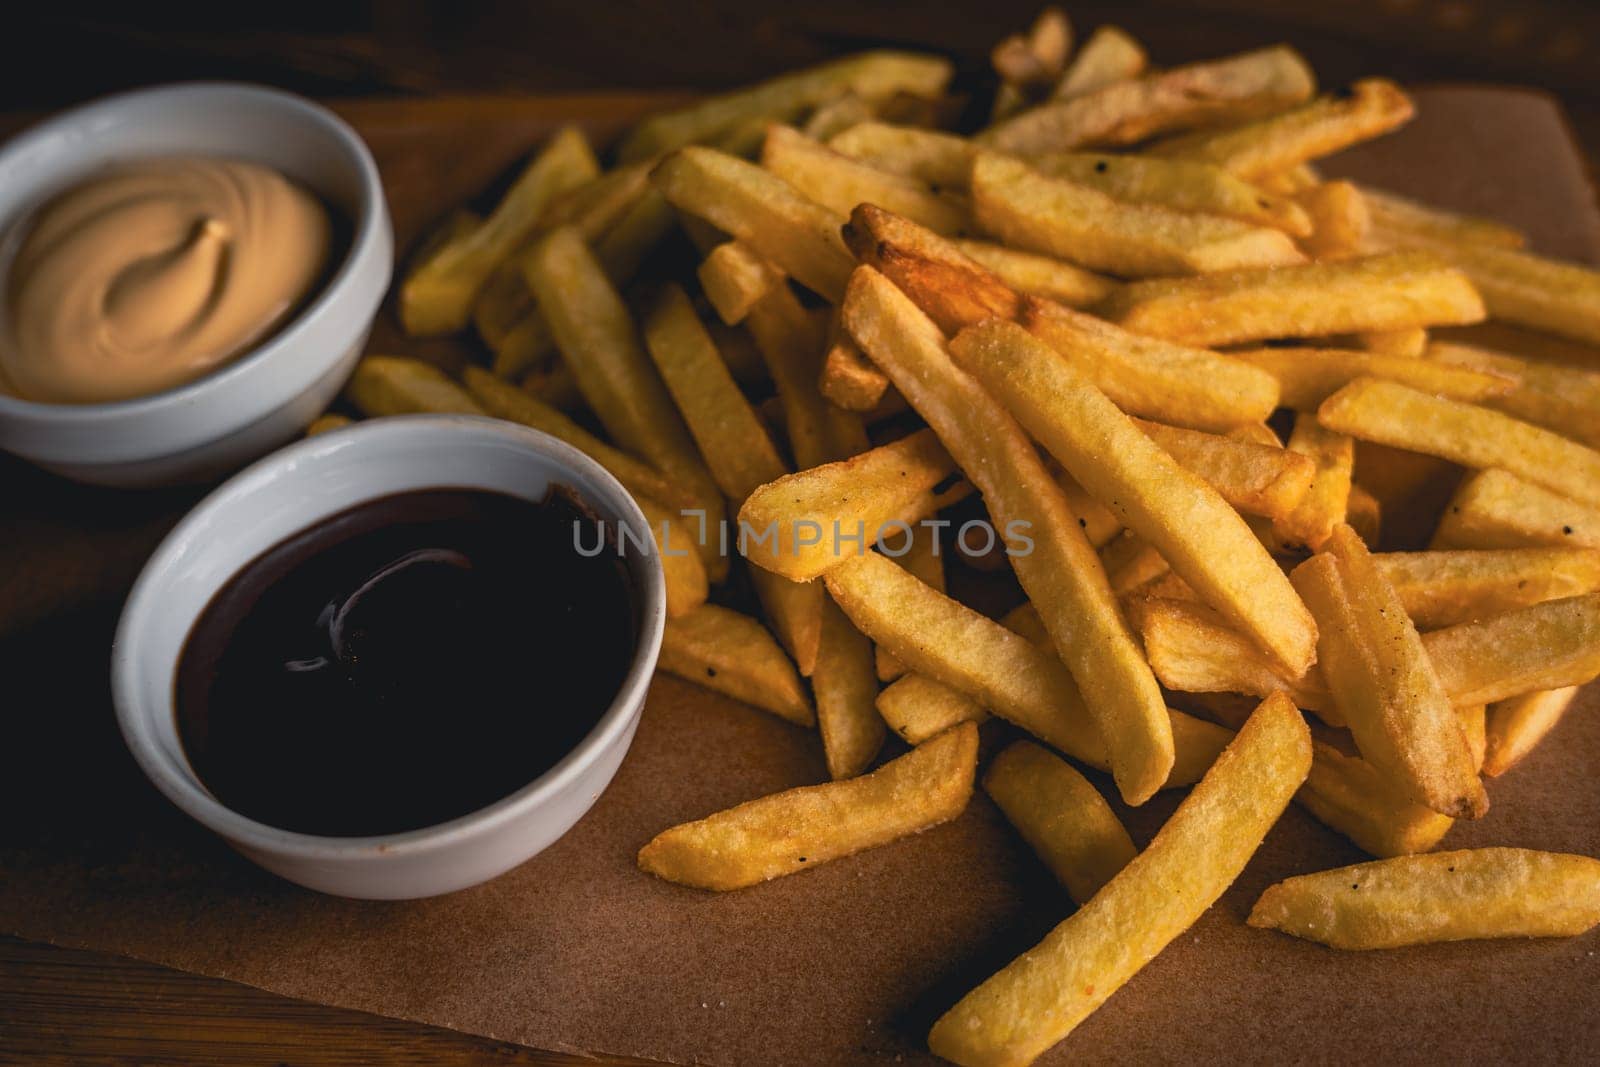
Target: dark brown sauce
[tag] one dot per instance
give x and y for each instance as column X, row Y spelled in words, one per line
column 405, row 662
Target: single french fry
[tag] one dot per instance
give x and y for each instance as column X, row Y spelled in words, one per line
column 1256, row 478
column 942, row 160
column 1040, row 997
column 1179, row 184
column 1036, row 275
column 1326, row 503
column 1444, row 588
column 794, row 232
column 869, row 75
column 845, row 688
column 1383, row 682
column 1193, row 651
column 1109, row 56
column 1395, row 213
column 1061, row 816
column 437, row 297
column 329, row 421
column 397, row 385
column 1383, row 292
column 730, row 437
column 1349, row 795
column 791, row 342
column 734, row 654
column 1061, row 218
column 1475, row 437
column 1443, row 896
column 1058, row 568
column 839, row 183
column 835, row 116
column 1497, row 509
column 1563, row 399
column 684, row 574
column 1339, row 221
column 1543, row 646
column 917, row 707
column 794, row 611
column 917, row 549
column 1516, row 726
column 1369, row 108
column 1175, row 510
column 1231, row 89
column 1308, row 376
column 848, row 379
column 1409, row 343
column 735, row 279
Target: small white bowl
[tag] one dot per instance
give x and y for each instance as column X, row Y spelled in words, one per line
column 264, row 398
column 295, row 488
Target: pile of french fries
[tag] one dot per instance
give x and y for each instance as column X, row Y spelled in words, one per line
column 1130, row 317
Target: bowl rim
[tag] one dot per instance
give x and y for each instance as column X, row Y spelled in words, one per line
column 367, row 236
column 137, row 721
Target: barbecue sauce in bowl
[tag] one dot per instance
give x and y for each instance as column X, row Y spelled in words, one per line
column 406, row 662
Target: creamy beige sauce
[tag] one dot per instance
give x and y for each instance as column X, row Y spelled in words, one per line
column 154, row 273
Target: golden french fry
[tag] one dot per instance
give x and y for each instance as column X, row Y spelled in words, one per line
column 1327, row 502
column 1260, row 479
column 1040, row 997
column 791, row 341
column 1340, row 223
column 917, row 550
column 1563, row 399
column 836, row 116
column 1030, row 210
column 1369, row 108
column 794, row 611
column 1444, row 588
column 1107, row 57
column 735, row 279
column 1444, row 896
column 1179, row 184
column 1543, row 646
column 845, row 688
column 839, row 183
column 730, row 437
column 870, row 75
column 438, row 295
column 1497, row 509
column 942, row 160
column 684, row 574
column 1194, row 651
column 1037, row 275
column 848, row 379
column 1383, row 292
column 1516, row 726
column 1383, row 682
column 1239, row 87
column 1351, row 796
column 792, row 831
column 1397, row 214
column 396, row 385
column 916, row 707
column 1175, row 510
column 1057, row 567
column 799, row 235
column 1308, row 376
column 1410, row 343
column 1061, row 816
column 735, row 655
column 1475, row 437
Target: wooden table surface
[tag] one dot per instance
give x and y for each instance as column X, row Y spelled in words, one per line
column 69, row 1006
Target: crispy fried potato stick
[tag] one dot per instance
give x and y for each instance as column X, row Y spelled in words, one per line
column 1107, row 57
column 1384, row 292
column 1442, row 589
column 1327, row 502
column 1369, row 108
column 1445, row 896
column 1256, row 478
column 1397, row 214
column 839, row 183
column 1193, row 651
column 845, row 688
column 1057, row 568
column 1497, row 509
column 1061, row 218
column 918, row 551
column 1061, row 816
column 1349, row 795
column 1516, row 726
column 848, row 379
column 1179, row 184
column 870, row 75
column 836, row 116
column 1410, row 343
column 916, row 707
column 1224, row 90
column 1542, row 646
column 1036, row 275
column 1384, row 683
column 942, row 160
column 1039, row 998
column 398, row 385
column 1340, row 222
column 1475, row 437
column 735, row 278
column 791, row 341
column 1308, row 376
column 684, row 574
column 1563, row 399
column 798, row 829
column 437, row 298
column 735, row 655
column 1175, row 510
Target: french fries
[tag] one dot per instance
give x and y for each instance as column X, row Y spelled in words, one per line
column 1382, row 292
column 1308, row 376
column 1340, row 224
column 1563, row 399
column 1446, row 896
column 942, row 160
column 1059, row 570
column 1497, row 509
column 1240, row 87
column 1107, row 57
column 735, row 655
column 1024, row 207
column 1384, row 683
column 1039, row 998
column 681, row 569
column 1516, row 726
column 918, row 551
column 1327, row 500
column 790, row 341
column 1061, row 817
column 1475, row 437
column 1193, row 651
column 1255, row 478
column 845, row 687
column 789, row 832
column 917, row 707
column 1541, row 646
column 1397, row 214
column 1442, row 589
column 394, row 385
column 735, row 279
column 1351, row 796
column 1036, row 275
column 840, row 183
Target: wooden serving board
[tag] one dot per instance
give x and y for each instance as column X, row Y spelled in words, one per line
column 577, row 951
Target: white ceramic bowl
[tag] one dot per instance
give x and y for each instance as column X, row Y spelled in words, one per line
column 289, row 491
column 263, row 399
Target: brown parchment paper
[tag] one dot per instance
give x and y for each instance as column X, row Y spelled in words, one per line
column 849, row 963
